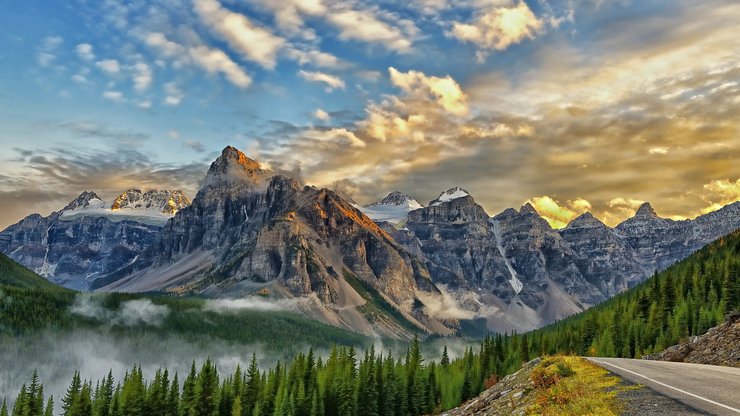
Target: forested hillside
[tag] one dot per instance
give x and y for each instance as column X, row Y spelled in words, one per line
column 686, row 299
column 344, row 383
column 30, row 304
column 13, row 274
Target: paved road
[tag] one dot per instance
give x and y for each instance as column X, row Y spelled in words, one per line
column 708, row 388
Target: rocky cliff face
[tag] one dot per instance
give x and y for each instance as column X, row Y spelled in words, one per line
column 87, row 239
column 660, row 242
column 528, row 274
column 249, row 231
column 606, row 260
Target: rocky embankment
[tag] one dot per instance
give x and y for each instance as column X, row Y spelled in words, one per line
column 719, row 346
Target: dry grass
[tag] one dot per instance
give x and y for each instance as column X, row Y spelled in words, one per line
column 573, row 386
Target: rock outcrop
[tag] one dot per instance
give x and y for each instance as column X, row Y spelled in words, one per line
column 718, row 346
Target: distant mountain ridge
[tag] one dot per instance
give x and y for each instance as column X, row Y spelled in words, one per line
column 89, row 238
column 392, row 267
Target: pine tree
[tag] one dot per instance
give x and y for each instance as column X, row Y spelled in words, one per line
column 173, row 398
column 207, row 390
column 71, row 399
column 251, row 388
column 49, row 407
column 188, row 406
column 4, row 408
column 445, row 361
column 524, row 349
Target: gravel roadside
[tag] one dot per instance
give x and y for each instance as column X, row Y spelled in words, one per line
column 643, row 401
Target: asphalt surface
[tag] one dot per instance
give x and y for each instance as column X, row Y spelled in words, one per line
column 707, row 388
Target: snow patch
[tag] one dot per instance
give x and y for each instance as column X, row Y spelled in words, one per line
column 449, row 195
column 516, row 284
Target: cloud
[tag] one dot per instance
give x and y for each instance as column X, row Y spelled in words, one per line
column 660, row 150
column 45, row 53
column 129, row 313
column 254, row 303
column 322, row 115
column 372, row 26
column 210, row 59
column 110, row 66
column 719, row 193
column 174, row 94
column 332, row 82
column 315, row 57
column 257, row 44
column 85, row 51
column 195, row 146
column 116, row 96
column 559, row 214
column 446, row 91
column 498, row 27
column 47, row 179
column 143, row 76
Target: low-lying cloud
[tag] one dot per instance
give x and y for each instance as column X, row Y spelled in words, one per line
column 129, row 313
column 253, row 303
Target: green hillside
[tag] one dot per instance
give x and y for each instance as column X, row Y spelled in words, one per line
column 13, row 274
column 30, row 304
column 686, row 299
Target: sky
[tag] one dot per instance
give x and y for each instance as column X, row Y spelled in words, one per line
column 572, row 105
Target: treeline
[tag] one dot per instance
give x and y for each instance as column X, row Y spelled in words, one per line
column 344, row 384
column 686, row 299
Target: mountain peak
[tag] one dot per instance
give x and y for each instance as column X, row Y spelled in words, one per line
column 528, row 208
column 449, row 195
column 397, row 199
column 164, row 201
column 84, row 200
column 645, row 210
column 233, row 167
column 585, row 220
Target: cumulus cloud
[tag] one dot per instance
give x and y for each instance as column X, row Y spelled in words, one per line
column 110, row 66
column 143, row 76
column 256, row 43
column 719, row 193
column 174, row 94
column 332, row 82
column 85, row 51
column 559, row 214
column 322, row 115
column 212, row 60
column 116, row 96
column 314, row 57
column 445, row 91
column 368, row 25
column 498, row 27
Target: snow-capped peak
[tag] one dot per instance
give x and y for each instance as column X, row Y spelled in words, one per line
column 165, row 202
column 397, row 199
column 394, row 208
column 87, row 199
column 449, row 195
column 151, row 207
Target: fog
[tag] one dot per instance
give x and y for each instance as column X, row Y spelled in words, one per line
column 112, row 347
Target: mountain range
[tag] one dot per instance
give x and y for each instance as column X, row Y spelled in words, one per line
column 390, row 268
